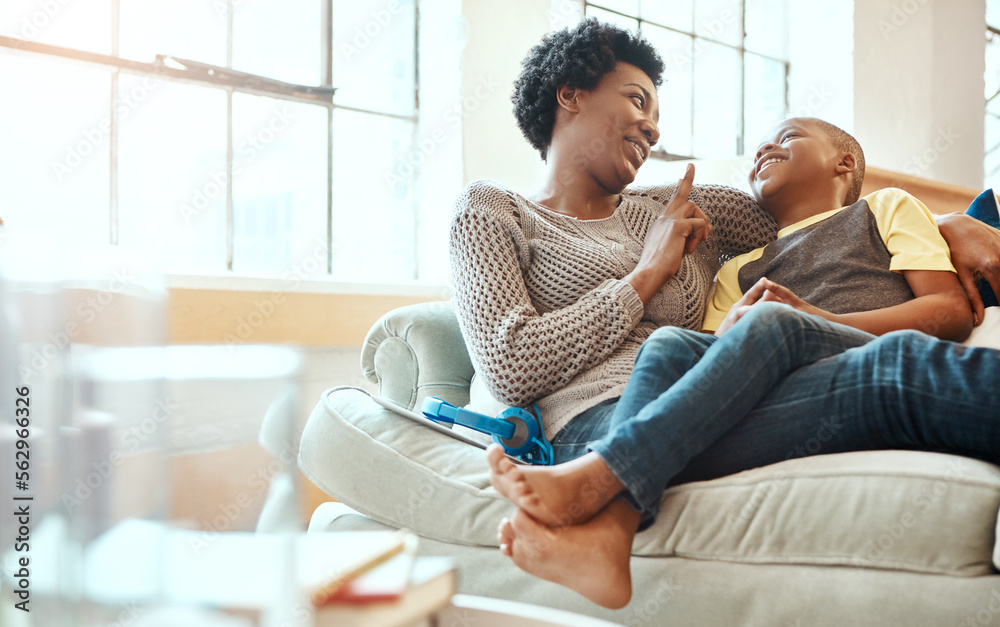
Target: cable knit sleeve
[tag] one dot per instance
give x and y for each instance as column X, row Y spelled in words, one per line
column 739, row 225
column 523, row 354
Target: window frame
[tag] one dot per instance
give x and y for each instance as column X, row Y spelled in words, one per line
column 169, row 68
column 741, row 50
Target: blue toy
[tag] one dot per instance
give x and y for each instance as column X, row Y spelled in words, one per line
column 518, row 430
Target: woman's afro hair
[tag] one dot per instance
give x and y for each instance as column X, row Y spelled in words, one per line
column 578, row 57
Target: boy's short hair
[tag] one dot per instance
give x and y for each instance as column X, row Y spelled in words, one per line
column 579, row 57
column 844, row 141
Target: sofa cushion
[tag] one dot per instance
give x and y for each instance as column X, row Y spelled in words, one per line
column 905, row 510
column 921, row 512
column 987, row 334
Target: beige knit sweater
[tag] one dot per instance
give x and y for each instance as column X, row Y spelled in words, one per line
column 540, row 299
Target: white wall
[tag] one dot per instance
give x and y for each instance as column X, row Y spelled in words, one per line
column 918, row 86
column 821, row 54
column 498, row 35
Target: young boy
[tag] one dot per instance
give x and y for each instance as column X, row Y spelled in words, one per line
column 884, row 248
column 877, row 264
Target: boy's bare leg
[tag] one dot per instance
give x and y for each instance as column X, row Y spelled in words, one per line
column 591, row 558
column 560, row 495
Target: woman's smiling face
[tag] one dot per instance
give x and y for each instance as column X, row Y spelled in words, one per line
column 618, row 122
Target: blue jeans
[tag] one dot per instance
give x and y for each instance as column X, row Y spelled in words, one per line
column 781, row 384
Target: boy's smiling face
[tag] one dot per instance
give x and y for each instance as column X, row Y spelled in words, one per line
column 796, row 153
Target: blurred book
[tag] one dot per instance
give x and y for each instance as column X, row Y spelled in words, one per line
column 379, row 571
column 383, row 579
column 431, row 586
column 146, row 563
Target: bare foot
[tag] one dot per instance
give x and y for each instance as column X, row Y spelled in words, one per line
column 556, row 496
column 592, row 558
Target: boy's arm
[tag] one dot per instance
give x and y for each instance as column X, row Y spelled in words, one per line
column 940, row 308
column 921, row 255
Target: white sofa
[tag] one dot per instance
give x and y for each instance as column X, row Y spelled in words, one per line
column 871, row 538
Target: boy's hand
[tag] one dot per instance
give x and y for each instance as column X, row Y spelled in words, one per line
column 763, row 291
column 775, row 293
column 741, row 307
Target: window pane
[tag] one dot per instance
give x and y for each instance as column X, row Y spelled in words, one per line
column 374, row 226
column 613, row 18
column 765, row 98
column 716, row 100
column 279, row 185
column 993, row 107
column 629, row 7
column 278, row 39
column 373, row 55
column 54, row 169
column 675, row 92
column 767, row 27
column 189, row 29
column 993, row 13
column 992, row 142
column 677, row 14
column 81, row 24
column 720, row 20
column 992, row 162
column 992, row 74
column 992, row 87
column 279, row 188
column 172, row 173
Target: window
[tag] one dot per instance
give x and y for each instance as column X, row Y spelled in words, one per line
column 991, row 134
column 242, row 136
column 726, row 69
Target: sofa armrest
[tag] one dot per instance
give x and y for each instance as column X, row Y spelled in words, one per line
column 418, row 351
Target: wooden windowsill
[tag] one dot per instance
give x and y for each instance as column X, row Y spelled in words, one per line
column 203, row 316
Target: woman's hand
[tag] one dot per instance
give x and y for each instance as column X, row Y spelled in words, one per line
column 681, row 209
column 675, row 232
column 975, row 253
column 766, row 291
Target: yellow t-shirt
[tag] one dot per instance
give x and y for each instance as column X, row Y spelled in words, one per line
column 846, row 260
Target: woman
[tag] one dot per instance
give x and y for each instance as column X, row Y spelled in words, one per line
column 556, row 292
